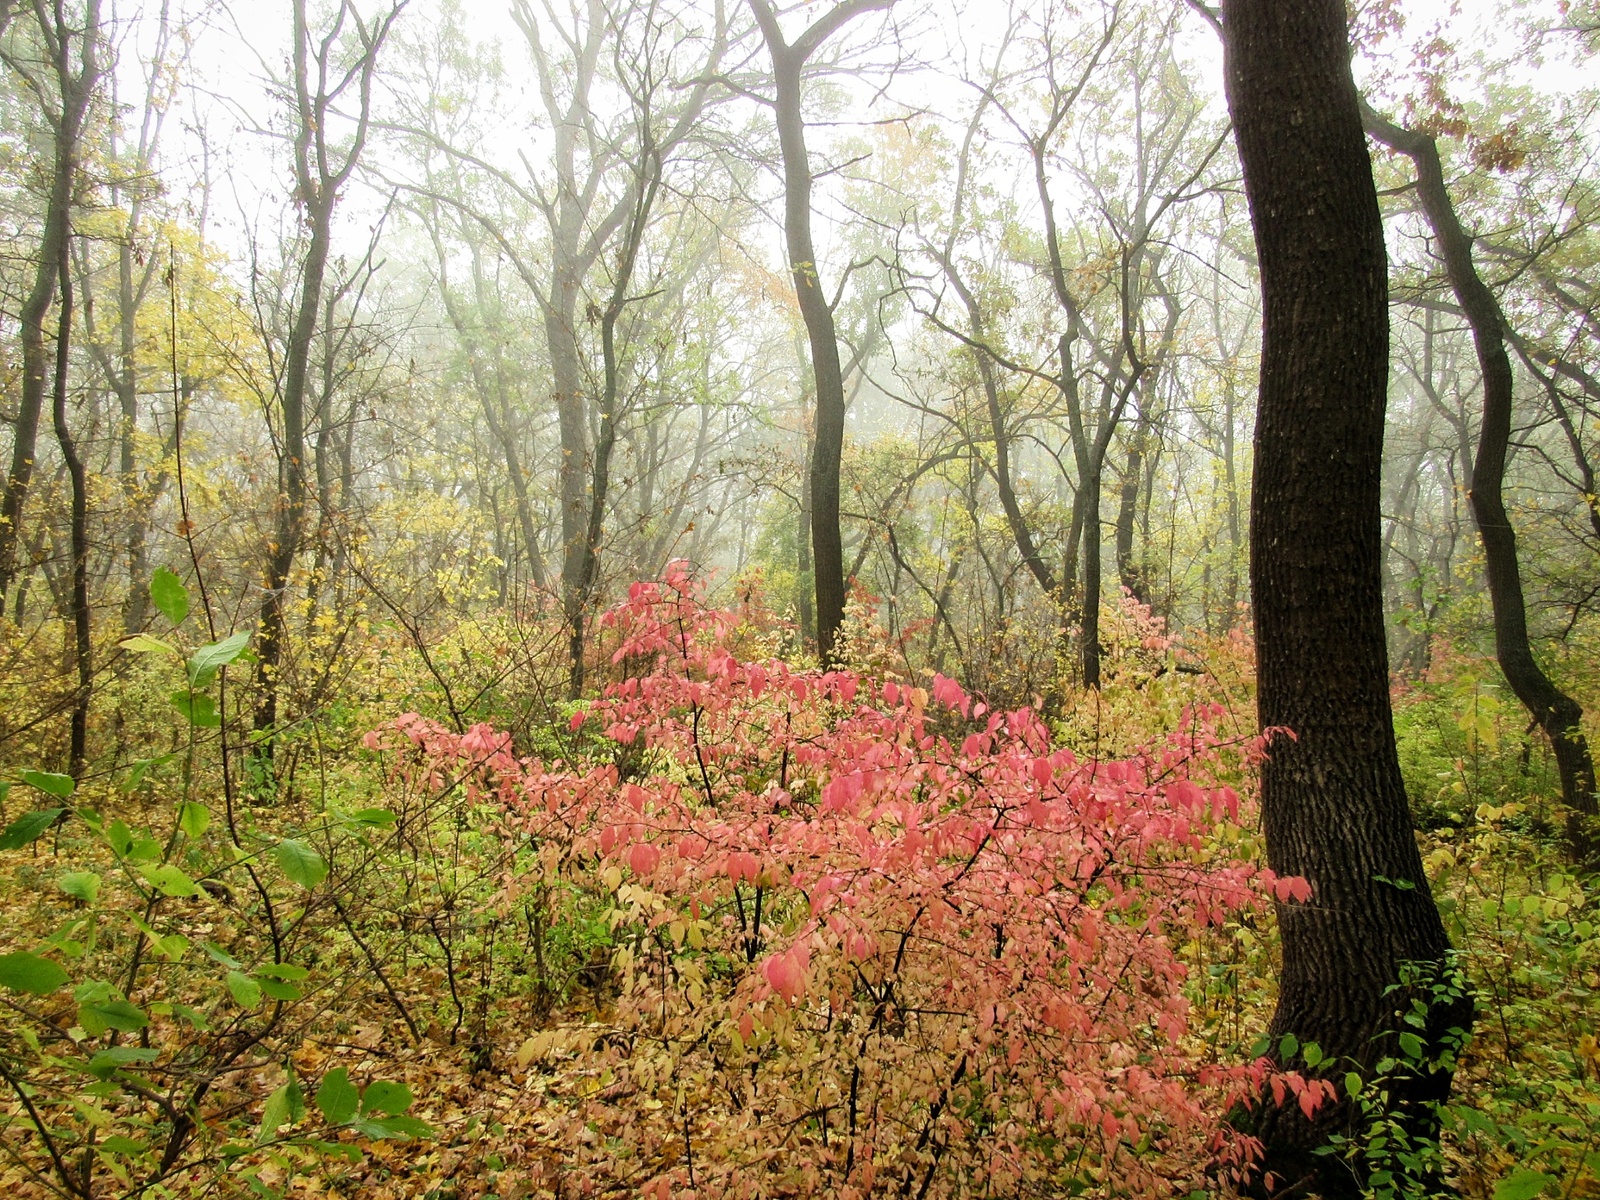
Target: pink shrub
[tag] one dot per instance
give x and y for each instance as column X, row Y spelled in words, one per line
column 876, row 939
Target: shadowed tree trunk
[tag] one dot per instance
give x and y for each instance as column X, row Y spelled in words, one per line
column 788, row 69
column 82, row 645
column 320, row 79
column 1333, row 801
column 1558, row 715
column 75, row 87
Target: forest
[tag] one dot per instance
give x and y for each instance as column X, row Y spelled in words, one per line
column 799, row 598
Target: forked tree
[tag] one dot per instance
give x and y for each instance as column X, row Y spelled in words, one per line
column 326, row 71
column 789, row 62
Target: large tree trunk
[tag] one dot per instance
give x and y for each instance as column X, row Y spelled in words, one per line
column 1333, row 801
column 1558, row 714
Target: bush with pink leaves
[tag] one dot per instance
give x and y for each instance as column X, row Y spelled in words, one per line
column 873, row 938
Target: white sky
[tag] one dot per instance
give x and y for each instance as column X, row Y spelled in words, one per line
column 239, row 43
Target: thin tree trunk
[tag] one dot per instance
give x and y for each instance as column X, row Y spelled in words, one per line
column 808, row 618
column 1128, row 570
column 1558, row 715
column 67, row 129
column 788, row 67
column 319, row 178
column 289, row 527
column 82, row 645
column 1334, row 804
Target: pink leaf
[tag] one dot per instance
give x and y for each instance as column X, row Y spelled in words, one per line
column 642, row 859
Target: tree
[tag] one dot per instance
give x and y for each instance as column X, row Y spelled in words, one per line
column 64, row 86
column 320, row 170
column 133, row 189
column 789, row 60
column 600, row 200
column 1557, row 714
column 1334, row 804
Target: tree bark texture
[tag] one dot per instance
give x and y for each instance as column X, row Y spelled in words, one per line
column 1558, row 715
column 1333, row 802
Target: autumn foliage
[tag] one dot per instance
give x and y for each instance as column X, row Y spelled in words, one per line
column 871, row 938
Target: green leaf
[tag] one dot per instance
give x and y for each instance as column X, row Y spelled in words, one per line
column 80, row 885
column 24, row 972
column 390, row 1127
column 1352, row 1084
column 199, row 709
column 246, row 992
column 143, row 643
column 196, row 1019
column 114, row 1014
column 376, row 818
column 386, row 1096
column 169, row 595
column 275, row 1115
column 301, row 863
column 221, row 955
column 1522, row 1184
column 1410, row 1045
column 282, row 970
column 106, row 1062
column 337, row 1097
column 205, row 662
column 117, row 1144
column 49, row 782
column 194, row 819
column 142, row 768
column 120, row 838
column 1288, row 1046
column 1312, row 1053
column 170, row 946
column 277, row 989
column 28, row 827
column 170, row 881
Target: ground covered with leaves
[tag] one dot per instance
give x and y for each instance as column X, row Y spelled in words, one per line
column 743, row 927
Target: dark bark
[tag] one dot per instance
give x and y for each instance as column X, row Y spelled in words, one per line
column 1129, row 570
column 126, row 380
column 788, row 70
column 319, row 173
column 649, row 168
column 82, row 645
column 75, row 86
column 647, row 185
column 1558, row 715
column 579, row 228
column 1333, row 802
column 808, row 618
